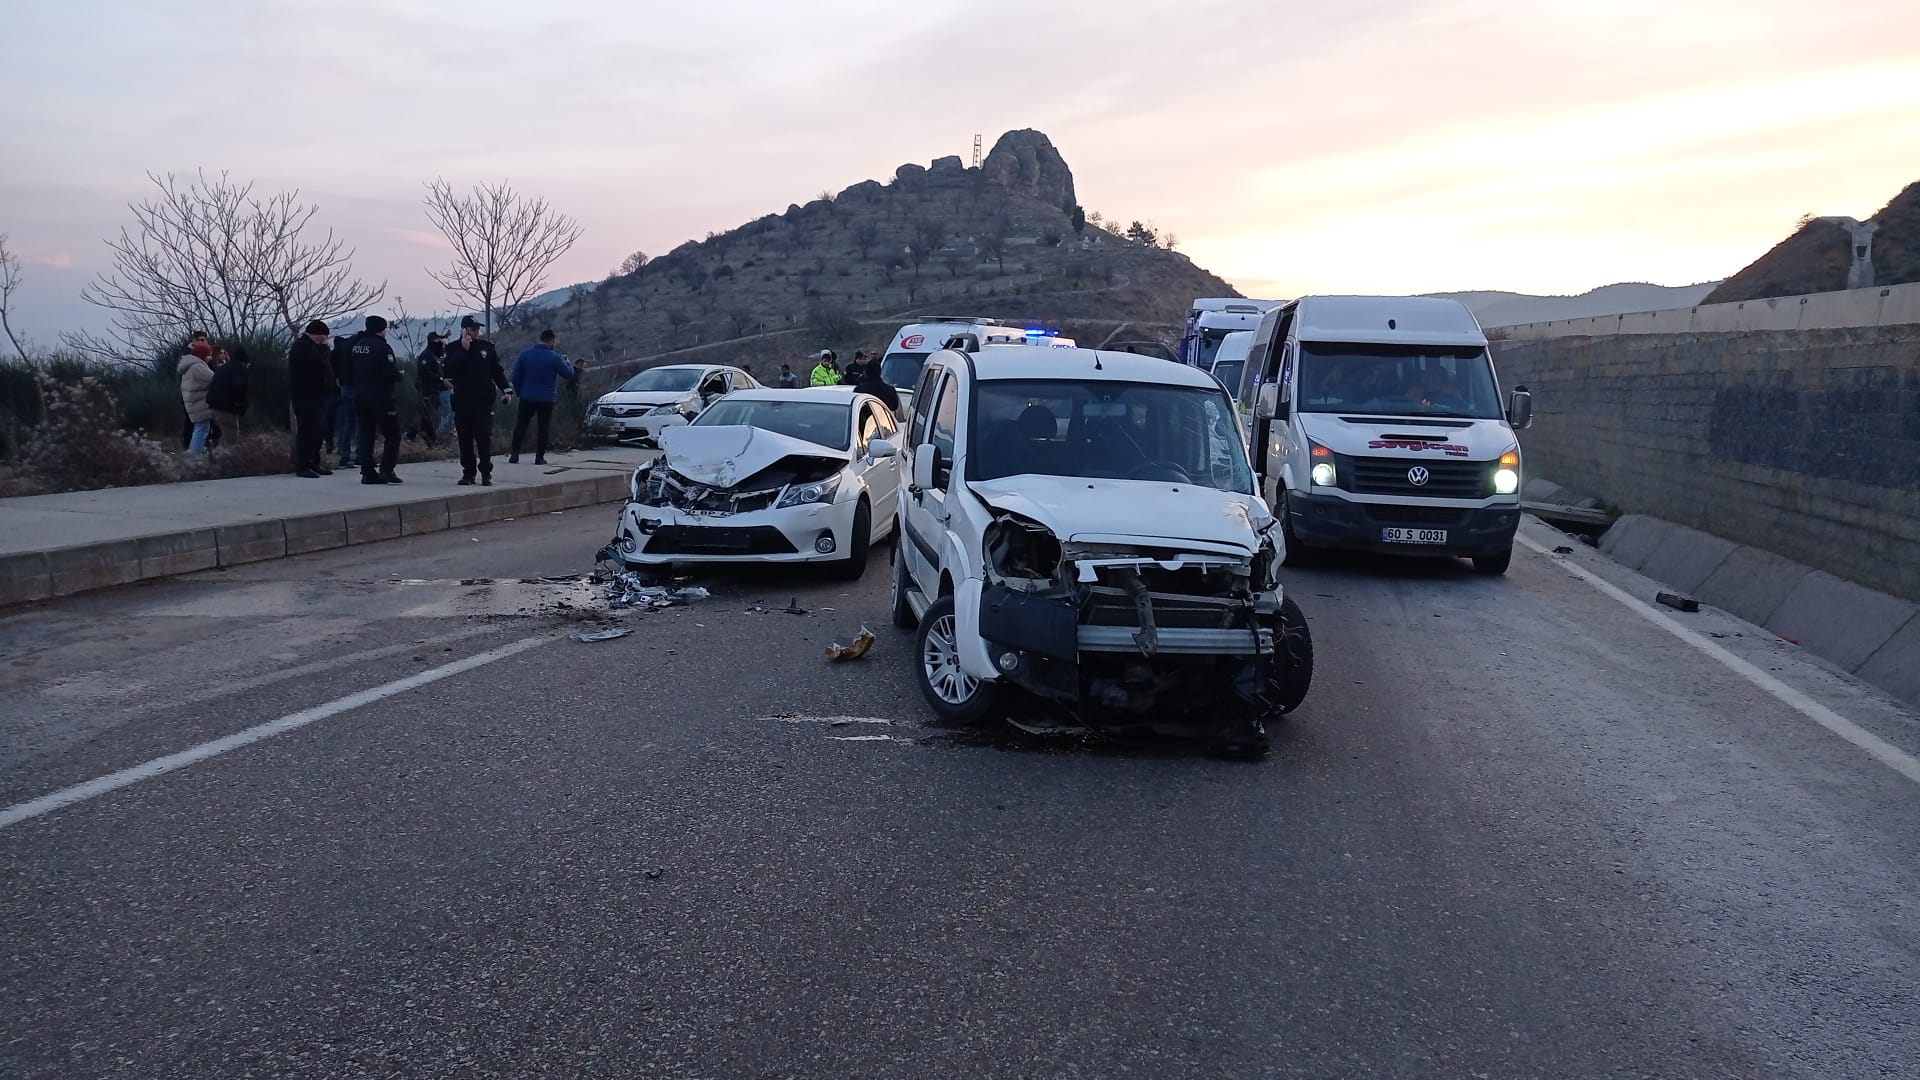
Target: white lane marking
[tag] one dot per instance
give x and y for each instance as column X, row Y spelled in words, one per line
column 1881, row 750
column 865, row 738
column 831, row 721
column 98, row 786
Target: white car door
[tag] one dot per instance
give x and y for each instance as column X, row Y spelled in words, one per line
column 882, row 475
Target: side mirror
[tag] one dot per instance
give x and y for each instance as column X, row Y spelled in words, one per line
column 923, row 467
column 1266, row 405
column 1520, row 410
column 879, row 449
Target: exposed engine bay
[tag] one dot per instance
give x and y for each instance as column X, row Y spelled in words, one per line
column 1130, row 634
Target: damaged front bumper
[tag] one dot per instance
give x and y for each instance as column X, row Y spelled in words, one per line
column 1119, row 634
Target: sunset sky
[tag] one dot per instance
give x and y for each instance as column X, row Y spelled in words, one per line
column 1364, row 146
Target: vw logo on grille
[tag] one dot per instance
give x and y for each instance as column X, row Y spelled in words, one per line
column 1418, row 476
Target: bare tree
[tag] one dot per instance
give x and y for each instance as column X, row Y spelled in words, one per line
column 993, row 240
column 503, row 244
column 677, row 320
column 865, row 236
column 632, row 264
column 9, row 282
column 739, row 320
column 210, row 254
column 1170, row 240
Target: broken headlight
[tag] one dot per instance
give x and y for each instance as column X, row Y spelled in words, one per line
column 821, row 491
column 662, row 410
column 634, row 482
column 1017, row 548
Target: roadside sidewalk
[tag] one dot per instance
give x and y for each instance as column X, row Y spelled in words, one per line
column 54, row 545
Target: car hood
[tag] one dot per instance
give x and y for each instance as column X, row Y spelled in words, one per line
column 1157, row 513
column 722, row 455
column 1370, row 435
column 642, row 397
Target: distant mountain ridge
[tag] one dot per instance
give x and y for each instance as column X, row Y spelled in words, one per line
column 1495, row 308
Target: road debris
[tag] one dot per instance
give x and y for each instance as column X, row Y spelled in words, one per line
column 793, row 607
column 1678, row 601
column 830, row 721
column 836, row 652
column 1563, row 550
column 629, row 590
column 600, row 635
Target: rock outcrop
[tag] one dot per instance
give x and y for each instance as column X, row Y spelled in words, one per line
column 1826, row 254
column 1026, row 163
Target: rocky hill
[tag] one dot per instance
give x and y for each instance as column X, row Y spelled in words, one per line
column 1004, row 240
column 1819, row 256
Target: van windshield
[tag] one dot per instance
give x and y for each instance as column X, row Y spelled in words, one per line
column 1229, row 372
column 1397, row 380
column 1107, row 430
column 901, row 370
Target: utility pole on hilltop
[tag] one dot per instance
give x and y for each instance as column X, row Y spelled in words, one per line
column 976, row 150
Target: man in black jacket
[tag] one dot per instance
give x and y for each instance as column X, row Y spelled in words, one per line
column 347, row 423
column 310, row 382
column 871, row 383
column 376, row 371
column 472, row 364
column 430, row 377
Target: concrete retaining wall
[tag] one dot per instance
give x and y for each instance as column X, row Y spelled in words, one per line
column 1803, row 443
column 1892, row 305
column 1870, row 634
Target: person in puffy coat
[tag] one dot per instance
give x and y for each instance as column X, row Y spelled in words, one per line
column 826, row 372
column 195, row 378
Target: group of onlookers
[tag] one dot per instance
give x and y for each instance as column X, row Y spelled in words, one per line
column 862, row 373
column 213, row 388
column 457, row 383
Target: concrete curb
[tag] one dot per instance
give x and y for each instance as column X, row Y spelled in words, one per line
column 1869, row 634
column 63, row 571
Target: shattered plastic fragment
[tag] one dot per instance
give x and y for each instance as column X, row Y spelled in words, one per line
column 630, row 590
column 1678, row 601
column 863, row 641
column 600, row 635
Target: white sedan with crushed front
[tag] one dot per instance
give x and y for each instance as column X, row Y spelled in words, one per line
column 784, row 476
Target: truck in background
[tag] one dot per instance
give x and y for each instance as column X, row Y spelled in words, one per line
column 1211, row 319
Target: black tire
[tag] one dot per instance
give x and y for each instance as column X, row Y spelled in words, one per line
column 1493, row 565
column 957, row 699
column 902, row 610
column 854, row 566
column 1297, row 553
column 1296, row 656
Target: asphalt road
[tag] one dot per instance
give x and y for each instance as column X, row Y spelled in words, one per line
column 1518, row 830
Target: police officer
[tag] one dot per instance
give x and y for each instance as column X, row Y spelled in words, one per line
column 472, row 364
column 376, row 371
column 430, row 377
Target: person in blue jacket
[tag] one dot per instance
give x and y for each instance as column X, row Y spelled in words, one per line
column 536, row 374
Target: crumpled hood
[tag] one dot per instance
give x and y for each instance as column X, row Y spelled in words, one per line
column 1075, row 508
column 723, row 455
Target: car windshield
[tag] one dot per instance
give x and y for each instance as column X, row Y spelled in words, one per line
column 1397, row 380
column 1107, row 430
column 901, row 370
column 822, row 422
column 670, row 379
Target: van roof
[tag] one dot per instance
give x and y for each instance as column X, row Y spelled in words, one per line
column 1415, row 320
column 1233, row 303
column 1229, row 320
column 999, row 362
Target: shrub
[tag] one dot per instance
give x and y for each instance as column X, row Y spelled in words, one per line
column 78, row 446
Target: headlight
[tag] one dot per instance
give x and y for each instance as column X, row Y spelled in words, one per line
column 1506, row 479
column 820, row 492
column 662, row 410
column 633, row 483
column 1322, row 472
